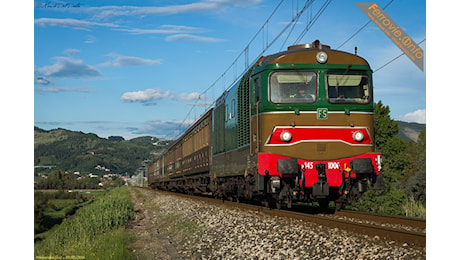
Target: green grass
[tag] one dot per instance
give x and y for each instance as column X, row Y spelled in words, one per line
column 414, row 208
column 96, row 231
column 49, row 137
column 51, row 207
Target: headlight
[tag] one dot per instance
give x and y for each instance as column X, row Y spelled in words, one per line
column 286, row 136
column 358, row 136
column 321, row 57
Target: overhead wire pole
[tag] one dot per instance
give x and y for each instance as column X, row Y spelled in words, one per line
column 313, row 20
column 310, row 2
column 294, row 20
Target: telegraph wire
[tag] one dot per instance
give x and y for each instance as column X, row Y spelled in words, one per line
column 293, row 26
column 402, row 54
column 312, row 21
column 360, row 29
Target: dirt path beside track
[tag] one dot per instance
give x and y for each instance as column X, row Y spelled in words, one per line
column 146, row 238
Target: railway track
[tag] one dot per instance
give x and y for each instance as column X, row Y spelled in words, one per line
column 409, row 231
column 393, row 228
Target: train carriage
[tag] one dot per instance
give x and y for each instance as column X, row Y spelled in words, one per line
column 185, row 165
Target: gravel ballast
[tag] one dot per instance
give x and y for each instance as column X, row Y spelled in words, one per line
column 181, row 228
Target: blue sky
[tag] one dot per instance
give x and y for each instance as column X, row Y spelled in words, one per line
column 136, row 68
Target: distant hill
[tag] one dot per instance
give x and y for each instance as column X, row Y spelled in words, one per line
column 77, row 151
column 410, row 131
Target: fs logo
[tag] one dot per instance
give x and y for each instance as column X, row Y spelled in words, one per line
column 321, row 113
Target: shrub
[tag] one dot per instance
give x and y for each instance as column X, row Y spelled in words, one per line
column 383, row 202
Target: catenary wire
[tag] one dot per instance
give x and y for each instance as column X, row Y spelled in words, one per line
column 384, row 65
column 362, row 27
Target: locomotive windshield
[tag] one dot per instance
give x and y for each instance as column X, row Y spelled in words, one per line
column 293, row 87
column 348, row 87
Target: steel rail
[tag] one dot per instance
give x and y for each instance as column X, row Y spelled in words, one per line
column 383, row 218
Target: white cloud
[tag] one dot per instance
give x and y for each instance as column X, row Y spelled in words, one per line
column 71, row 52
column 164, row 29
column 60, row 89
column 160, row 128
column 123, row 61
column 90, row 39
column 202, row 6
column 41, row 80
column 66, row 67
column 72, row 23
column 146, row 96
column 191, row 38
column 192, row 96
column 418, row 116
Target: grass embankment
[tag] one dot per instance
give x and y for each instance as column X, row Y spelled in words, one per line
column 52, row 207
column 414, row 208
column 96, row 231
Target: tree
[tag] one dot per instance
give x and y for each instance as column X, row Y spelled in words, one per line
column 415, row 179
column 58, row 179
column 116, row 138
column 384, row 127
column 396, row 160
column 392, row 148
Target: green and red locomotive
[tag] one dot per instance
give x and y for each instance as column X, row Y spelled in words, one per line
column 298, row 126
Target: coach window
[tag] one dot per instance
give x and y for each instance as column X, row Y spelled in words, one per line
column 350, row 87
column 293, row 87
column 258, row 89
column 232, row 111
